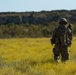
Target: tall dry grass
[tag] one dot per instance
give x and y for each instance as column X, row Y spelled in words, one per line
column 33, row 56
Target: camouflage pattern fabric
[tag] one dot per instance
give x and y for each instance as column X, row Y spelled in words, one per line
column 62, row 37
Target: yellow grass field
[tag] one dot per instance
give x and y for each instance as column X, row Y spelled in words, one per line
column 33, row 56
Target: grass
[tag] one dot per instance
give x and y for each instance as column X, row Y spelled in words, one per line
column 33, row 56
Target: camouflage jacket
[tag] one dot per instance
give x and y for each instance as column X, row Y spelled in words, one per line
column 62, row 36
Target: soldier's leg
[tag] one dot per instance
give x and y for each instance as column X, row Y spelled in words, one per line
column 65, row 54
column 56, row 52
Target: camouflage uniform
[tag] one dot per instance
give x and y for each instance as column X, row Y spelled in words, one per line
column 62, row 37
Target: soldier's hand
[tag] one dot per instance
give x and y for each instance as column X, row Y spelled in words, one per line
column 70, row 45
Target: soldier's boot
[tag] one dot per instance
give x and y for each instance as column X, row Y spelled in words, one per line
column 65, row 58
column 64, row 61
column 57, row 59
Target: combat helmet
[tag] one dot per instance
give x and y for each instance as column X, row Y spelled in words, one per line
column 63, row 21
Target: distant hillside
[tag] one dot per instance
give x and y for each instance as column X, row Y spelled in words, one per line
column 36, row 17
column 33, row 24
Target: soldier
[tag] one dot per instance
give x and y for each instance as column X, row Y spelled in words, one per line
column 62, row 37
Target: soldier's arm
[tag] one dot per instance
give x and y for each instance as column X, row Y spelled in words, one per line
column 70, row 34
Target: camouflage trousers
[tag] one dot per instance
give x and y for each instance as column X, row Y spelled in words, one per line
column 61, row 51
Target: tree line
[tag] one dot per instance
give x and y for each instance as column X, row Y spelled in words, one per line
column 22, row 30
column 33, row 24
column 36, row 17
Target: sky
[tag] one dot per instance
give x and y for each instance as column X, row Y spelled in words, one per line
column 36, row 5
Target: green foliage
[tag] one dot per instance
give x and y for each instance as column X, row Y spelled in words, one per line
column 8, row 31
column 29, row 30
column 33, row 24
column 36, row 17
